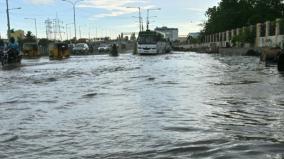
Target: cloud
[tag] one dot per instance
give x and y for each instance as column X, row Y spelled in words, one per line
column 114, row 8
column 40, row 1
column 197, row 9
column 185, row 28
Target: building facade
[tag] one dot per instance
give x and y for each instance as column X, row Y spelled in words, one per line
column 170, row 33
column 18, row 34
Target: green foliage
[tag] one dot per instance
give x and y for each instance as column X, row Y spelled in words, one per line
column 272, row 28
column 44, row 42
column 281, row 22
column 246, row 36
column 231, row 14
column 67, row 41
column 29, row 34
column 29, row 37
column 196, row 40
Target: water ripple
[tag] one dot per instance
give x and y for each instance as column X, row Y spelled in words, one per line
column 181, row 105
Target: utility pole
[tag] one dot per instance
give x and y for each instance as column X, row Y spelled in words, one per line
column 67, row 32
column 80, row 31
column 8, row 19
column 34, row 19
column 48, row 25
column 140, row 18
column 67, row 37
column 74, row 20
column 96, row 32
column 89, row 32
column 148, row 16
column 73, row 3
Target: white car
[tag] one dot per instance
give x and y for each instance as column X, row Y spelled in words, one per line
column 81, row 48
column 104, row 48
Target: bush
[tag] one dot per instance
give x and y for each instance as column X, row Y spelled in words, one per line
column 245, row 36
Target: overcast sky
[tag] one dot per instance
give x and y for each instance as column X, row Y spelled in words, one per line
column 110, row 17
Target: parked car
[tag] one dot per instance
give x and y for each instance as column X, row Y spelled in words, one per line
column 104, row 48
column 81, row 48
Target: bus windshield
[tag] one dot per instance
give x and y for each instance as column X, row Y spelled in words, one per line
column 147, row 39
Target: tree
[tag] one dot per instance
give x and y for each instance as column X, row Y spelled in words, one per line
column 12, row 31
column 232, row 14
column 44, row 42
column 29, row 37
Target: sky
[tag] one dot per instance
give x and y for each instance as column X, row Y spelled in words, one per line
column 99, row 18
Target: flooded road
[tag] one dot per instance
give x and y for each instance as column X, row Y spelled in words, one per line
column 170, row 106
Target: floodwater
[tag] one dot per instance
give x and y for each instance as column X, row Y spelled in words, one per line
column 181, row 105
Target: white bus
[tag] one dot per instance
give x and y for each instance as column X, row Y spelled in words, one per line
column 152, row 43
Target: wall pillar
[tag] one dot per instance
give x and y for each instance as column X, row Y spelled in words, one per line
column 208, row 39
column 232, row 33
column 244, row 29
column 277, row 29
column 258, row 30
column 267, row 28
column 227, row 35
column 238, row 31
column 258, row 34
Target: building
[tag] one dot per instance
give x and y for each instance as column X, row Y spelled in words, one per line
column 18, row 34
column 171, row 33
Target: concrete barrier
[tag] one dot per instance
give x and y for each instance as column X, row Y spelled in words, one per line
column 240, row 51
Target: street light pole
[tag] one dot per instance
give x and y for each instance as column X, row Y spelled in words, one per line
column 67, row 37
column 34, row 19
column 8, row 19
column 67, row 32
column 74, row 20
column 140, row 18
column 148, row 10
column 73, row 3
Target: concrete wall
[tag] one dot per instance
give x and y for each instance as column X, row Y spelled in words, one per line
column 237, row 51
column 262, row 31
column 271, row 41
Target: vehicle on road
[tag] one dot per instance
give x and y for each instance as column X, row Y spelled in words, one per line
column 58, row 51
column 152, row 43
column 104, row 48
column 81, row 49
column 30, row 50
column 10, row 57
